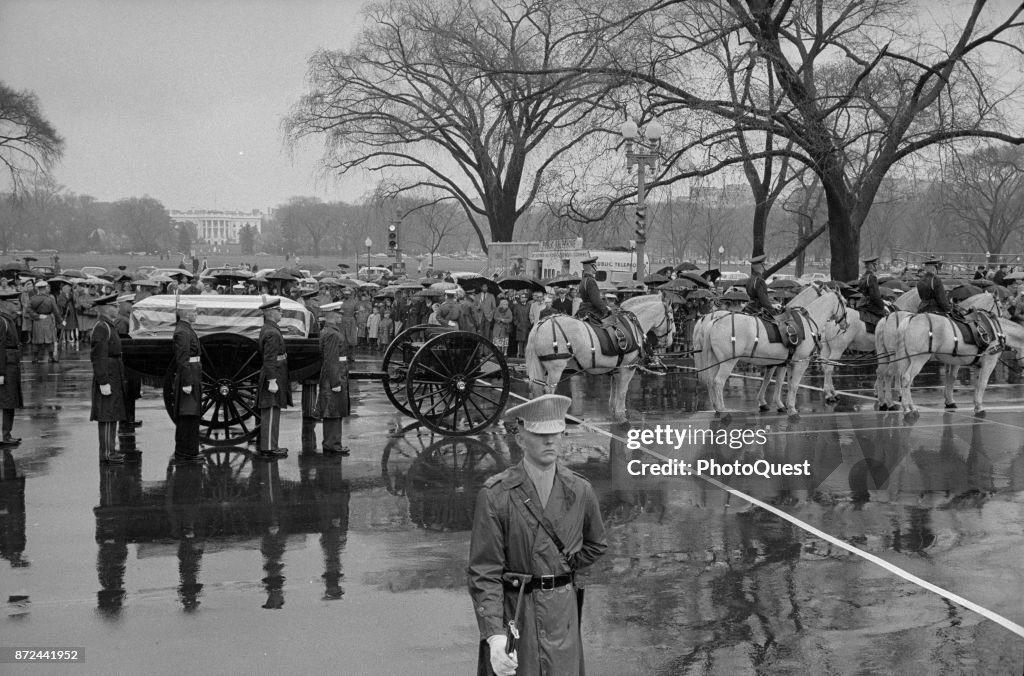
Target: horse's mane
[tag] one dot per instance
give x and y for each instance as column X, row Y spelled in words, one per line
column 630, row 303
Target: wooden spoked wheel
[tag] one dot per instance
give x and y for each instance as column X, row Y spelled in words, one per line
column 396, row 362
column 457, row 383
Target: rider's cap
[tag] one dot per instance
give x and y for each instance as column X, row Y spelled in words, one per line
column 271, row 303
column 933, row 261
column 543, row 415
column 589, row 261
column 109, row 299
column 754, row 260
column 872, row 259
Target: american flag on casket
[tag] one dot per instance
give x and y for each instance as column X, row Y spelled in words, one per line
column 154, row 317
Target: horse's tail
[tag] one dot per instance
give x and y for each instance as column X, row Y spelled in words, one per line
column 535, row 370
column 706, row 354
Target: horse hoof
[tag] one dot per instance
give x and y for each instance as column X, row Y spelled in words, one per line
column 794, row 414
column 912, row 414
column 781, row 409
column 979, row 414
column 883, row 407
column 764, row 408
column 951, row 406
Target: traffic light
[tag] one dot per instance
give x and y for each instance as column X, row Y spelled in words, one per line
column 641, row 222
column 392, row 237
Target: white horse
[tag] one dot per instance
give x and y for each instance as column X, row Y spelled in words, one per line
column 926, row 335
column 887, row 340
column 559, row 340
column 727, row 338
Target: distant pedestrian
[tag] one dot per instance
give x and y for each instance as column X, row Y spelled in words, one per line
column 43, row 313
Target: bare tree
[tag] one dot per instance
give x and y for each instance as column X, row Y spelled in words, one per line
column 143, row 222
column 426, row 99
column 433, row 221
column 29, row 144
column 864, row 85
column 307, row 221
column 983, row 196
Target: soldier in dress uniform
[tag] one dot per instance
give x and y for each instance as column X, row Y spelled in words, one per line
column 349, row 325
column 450, row 311
column 42, row 310
column 309, row 384
column 108, row 399
column 187, row 388
column 332, row 403
column 10, row 363
column 873, row 302
column 931, row 290
column 536, row 524
column 132, row 384
column 757, row 289
column 593, row 303
column 274, row 390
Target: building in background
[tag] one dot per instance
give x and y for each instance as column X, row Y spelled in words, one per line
column 219, row 228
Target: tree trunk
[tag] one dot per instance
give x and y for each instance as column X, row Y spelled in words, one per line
column 843, row 232
column 761, row 210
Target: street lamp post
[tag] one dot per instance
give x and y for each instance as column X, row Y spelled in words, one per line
column 368, row 243
column 648, row 141
column 721, row 256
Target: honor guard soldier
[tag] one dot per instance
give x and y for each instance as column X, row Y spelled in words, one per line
column 757, row 289
column 108, row 405
column 132, row 384
column 42, row 310
column 187, row 388
column 332, row 403
column 450, row 311
column 593, row 305
column 10, row 363
column 536, row 524
column 873, row 302
column 931, row 290
column 349, row 325
column 274, row 390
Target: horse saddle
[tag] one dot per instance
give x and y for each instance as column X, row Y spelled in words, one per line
column 786, row 328
column 618, row 333
column 979, row 328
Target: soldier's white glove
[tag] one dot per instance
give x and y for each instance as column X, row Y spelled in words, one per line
column 187, row 389
column 502, row 664
column 2, row 380
column 272, row 385
column 105, row 390
column 333, row 389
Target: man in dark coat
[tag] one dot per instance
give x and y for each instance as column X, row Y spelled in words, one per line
column 274, row 390
column 132, row 384
column 332, row 403
column 108, row 400
column 593, row 303
column 10, row 364
column 349, row 325
column 562, row 302
column 1000, row 274
column 757, row 289
column 450, row 311
column 42, row 311
column 536, row 524
column 868, row 286
column 930, row 289
column 521, row 322
column 187, row 388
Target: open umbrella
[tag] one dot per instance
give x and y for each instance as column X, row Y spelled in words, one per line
column 607, row 286
column 701, row 293
column 78, row 274
column 999, row 292
column 389, row 292
column 742, row 281
column 736, row 293
column 964, row 291
column 667, row 270
column 784, row 284
column 679, row 284
column 1014, row 275
column 894, row 283
column 443, row 286
column 468, row 283
column 530, row 284
column 351, row 283
column 232, row 274
column 982, row 283
column 147, row 282
column 698, row 279
column 685, row 267
column 712, row 275
column 562, row 280
column 429, row 293
column 655, row 279
column 889, row 292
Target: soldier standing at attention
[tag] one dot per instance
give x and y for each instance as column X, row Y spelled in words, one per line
column 274, row 390
column 332, row 403
column 931, row 290
column 593, row 304
column 188, row 373
column 132, row 384
column 108, row 405
column 42, row 310
column 10, row 364
column 536, row 524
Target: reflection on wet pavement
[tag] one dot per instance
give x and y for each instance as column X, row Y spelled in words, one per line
column 362, row 559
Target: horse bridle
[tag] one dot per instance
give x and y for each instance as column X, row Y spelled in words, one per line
column 666, row 318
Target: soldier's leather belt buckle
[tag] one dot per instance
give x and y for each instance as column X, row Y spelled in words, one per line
column 282, row 357
column 44, row 316
column 342, row 358
column 193, row 360
column 547, row 582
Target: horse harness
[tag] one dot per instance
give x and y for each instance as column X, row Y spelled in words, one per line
column 615, row 330
column 981, row 325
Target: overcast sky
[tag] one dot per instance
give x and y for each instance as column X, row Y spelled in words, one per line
column 180, row 100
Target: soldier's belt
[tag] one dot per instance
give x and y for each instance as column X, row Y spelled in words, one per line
column 342, row 358
column 44, row 316
column 282, row 357
column 193, row 360
column 542, row 582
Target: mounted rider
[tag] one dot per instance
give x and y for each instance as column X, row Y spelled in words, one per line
column 872, row 308
column 931, row 290
column 595, row 310
column 757, row 290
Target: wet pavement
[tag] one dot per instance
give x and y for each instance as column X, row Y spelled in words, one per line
column 357, row 565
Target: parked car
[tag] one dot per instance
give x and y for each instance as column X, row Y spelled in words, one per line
column 94, row 270
column 812, row 277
